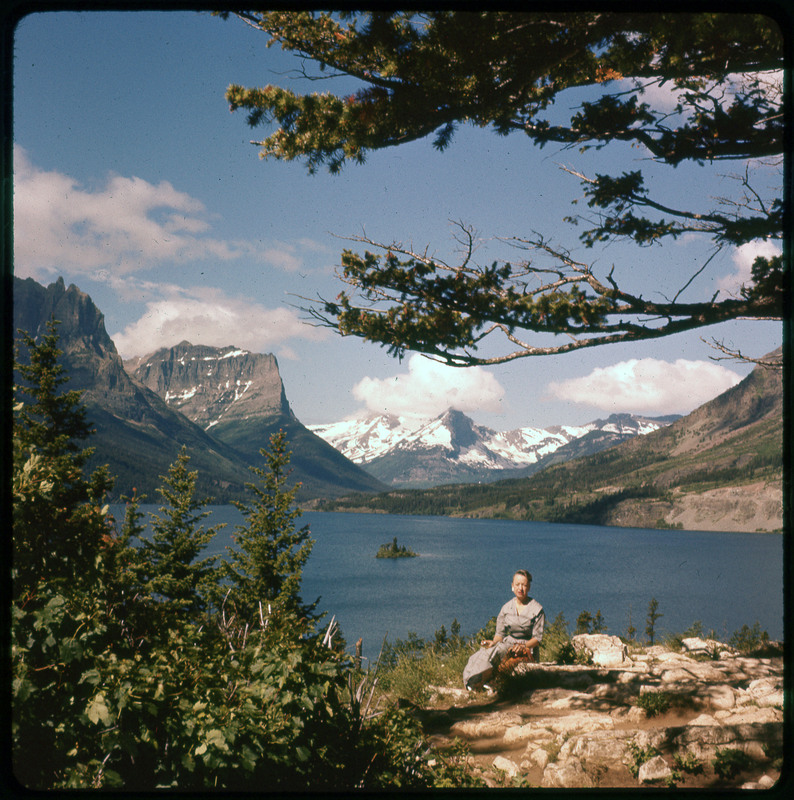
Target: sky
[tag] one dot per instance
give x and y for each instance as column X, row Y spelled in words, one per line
column 133, row 181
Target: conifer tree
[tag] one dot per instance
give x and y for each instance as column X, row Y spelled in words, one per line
column 425, row 74
column 172, row 574
column 651, row 619
column 267, row 564
column 60, row 523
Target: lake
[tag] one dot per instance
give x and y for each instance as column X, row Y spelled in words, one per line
column 465, row 566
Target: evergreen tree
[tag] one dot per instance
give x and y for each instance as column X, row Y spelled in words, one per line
column 425, row 74
column 267, row 565
column 60, row 523
column 171, row 572
column 651, row 619
column 584, row 622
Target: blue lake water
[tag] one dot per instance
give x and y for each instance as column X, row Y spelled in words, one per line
column 464, row 570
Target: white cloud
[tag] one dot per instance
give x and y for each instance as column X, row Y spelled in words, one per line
column 430, row 388
column 664, row 96
column 126, row 225
column 648, row 386
column 208, row 316
column 743, row 258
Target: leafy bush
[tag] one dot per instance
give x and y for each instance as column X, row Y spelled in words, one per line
column 131, row 669
column 688, row 763
column 728, row 763
column 654, row 703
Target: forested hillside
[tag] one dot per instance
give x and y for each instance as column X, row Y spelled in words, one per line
column 663, row 479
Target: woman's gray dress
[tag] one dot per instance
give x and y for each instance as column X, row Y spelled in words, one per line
column 515, row 628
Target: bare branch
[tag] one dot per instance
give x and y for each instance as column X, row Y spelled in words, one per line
column 734, row 354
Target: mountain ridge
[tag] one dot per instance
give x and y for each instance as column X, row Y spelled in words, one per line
column 238, row 397
column 139, row 434
column 718, row 468
column 453, row 448
column 136, row 432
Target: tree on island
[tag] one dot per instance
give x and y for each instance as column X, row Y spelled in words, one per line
column 394, row 550
column 427, row 73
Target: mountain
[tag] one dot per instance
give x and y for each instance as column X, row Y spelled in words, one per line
column 453, row 449
column 718, row 468
column 210, row 385
column 137, row 434
column 239, row 398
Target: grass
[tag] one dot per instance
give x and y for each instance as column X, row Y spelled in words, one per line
column 409, row 667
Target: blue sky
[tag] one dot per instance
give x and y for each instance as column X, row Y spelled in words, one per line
column 135, row 182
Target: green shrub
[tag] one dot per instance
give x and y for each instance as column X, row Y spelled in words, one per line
column 410, row 665
column 688, row 763
column 555, row 640
column 639, row 756
column 654, row 703
column 729, row 762
column 749, row 640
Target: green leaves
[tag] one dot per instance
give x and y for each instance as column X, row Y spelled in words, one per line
column 139, row 676
column 426, row 73
column 97, row 710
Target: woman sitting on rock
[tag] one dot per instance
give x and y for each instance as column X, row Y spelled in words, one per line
column 519, row 628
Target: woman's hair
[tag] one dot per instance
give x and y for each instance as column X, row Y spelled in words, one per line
column 524, row 574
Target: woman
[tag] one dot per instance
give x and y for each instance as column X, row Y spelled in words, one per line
column 520, row 622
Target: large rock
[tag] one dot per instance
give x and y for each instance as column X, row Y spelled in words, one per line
column 655, row 769
column 566, row 775
column 605, row 651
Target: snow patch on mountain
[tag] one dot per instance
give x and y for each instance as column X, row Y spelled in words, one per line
column 460, row 440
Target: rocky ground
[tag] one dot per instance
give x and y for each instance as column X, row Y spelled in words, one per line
column 585, row 725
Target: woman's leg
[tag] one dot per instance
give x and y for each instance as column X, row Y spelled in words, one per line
column 481, row 665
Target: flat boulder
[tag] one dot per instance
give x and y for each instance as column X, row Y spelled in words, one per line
column 604, row 650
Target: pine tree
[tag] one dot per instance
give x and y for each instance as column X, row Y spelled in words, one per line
column 60, row 523
column 267, row 565
column 651, row 619
column 427, row 74
column 171, row 573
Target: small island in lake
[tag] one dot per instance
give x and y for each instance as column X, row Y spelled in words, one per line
column 394, row 551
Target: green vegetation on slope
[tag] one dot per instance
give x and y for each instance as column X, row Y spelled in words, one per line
column 734, row 440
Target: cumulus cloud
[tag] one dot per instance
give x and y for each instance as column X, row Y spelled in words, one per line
column 743, row 258
column 126, row 225
column 648, row 386
column 430, row 388
column 208, row 316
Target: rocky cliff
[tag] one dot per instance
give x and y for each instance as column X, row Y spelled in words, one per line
column 223, row 418
column 239, row 398
column 209, row 384
column 137, row 434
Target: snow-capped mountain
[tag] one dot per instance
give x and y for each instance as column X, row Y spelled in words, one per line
column 363, row 440
column 452, row 448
